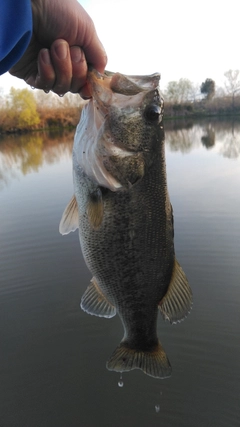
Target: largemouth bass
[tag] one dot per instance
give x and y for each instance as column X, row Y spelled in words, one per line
column 125, row 219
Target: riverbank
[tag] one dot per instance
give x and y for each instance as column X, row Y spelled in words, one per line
column 49, row 119
column 218, row 107
column 67, row 117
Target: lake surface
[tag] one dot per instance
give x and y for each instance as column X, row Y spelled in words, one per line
column 53, row 355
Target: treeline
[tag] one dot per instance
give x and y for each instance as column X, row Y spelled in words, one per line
column 183, row 98
column 221, row 106
column 24, row 109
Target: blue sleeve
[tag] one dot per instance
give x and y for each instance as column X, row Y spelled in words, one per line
column 15, row 31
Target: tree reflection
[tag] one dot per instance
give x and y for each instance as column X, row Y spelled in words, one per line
column 208, row 140
column 26, row 153
column 231, row 144
column 29, row 152
column 223, row 135
column 183, row 140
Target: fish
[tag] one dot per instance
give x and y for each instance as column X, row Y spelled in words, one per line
column 122, row 209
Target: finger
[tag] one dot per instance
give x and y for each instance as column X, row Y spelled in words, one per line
column 46, row 77
column 79, row 69
column 95, row 54
column 62, row 64
column 85, row 92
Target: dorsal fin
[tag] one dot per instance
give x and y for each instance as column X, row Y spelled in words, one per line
column 177, row 302
column 94, row 301
column 69, row 221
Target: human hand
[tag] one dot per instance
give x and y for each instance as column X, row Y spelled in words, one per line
column 63, row 43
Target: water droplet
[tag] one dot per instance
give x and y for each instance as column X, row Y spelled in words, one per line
column 32, row 87
column 46, row 91
column 120, row 382
column 157, row 408
column 61, row 95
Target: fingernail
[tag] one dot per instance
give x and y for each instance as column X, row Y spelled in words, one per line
column 85, row 92
column 45, row 56
column 85, row 98
column 76, row 54
column 61, row 50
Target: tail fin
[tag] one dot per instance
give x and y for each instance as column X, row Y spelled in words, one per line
column 154, row 363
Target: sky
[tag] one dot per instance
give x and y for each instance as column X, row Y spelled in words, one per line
column 178, row 38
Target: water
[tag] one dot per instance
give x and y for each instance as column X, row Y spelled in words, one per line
column 53, row 355
column 120, row 382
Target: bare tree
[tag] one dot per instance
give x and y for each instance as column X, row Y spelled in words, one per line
column 179, row 91
column 2, row 98
column 232, row 83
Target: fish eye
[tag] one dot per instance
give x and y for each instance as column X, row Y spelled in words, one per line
column 152, row 113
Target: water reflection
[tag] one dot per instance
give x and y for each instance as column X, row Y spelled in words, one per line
column 184, row 140
column 23, row 154
column 231, row 148
column 223, row 135
column 208, row 140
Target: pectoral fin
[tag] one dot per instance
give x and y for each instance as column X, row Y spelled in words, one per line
column 94, row 302
column 69, row 221
column 95, row 209
column 177, row 302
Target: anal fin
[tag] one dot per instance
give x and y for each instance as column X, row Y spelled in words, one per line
column 177, row 302
column 94, row 301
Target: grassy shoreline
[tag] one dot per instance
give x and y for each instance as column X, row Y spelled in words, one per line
column 68, row 117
